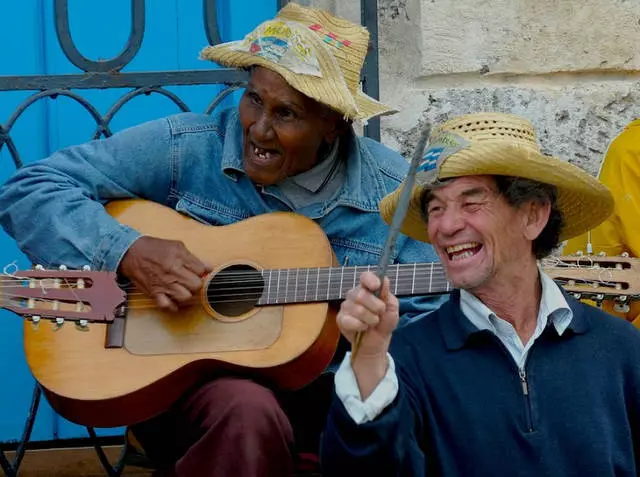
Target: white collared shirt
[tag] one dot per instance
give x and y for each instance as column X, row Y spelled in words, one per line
column 553, row 310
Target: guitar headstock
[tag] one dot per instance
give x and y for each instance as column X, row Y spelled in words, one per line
column 79, row 296
column 597, row 277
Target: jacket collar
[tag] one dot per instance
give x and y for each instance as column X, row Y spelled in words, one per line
column 457, row 330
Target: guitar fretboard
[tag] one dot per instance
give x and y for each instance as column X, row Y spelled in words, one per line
column 304, row 285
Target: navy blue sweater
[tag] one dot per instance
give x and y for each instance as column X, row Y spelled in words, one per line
column 462, row 409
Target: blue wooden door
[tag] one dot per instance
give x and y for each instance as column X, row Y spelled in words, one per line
column 174, row 35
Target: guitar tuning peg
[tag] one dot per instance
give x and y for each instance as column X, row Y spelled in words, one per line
column 602, row 254
column 579, row 253
column 621, row 307
column 625, row 254
column 599, row 297
column 86, row 268
column 82, row 325
column 577, row 296
column 622, row 298
column 58, row 323
column 35, row 322
column 62, row 267
column 39, row 267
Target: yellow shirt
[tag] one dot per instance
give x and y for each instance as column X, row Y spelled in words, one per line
column 620, row 172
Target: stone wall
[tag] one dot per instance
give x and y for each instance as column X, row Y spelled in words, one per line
column 571, row 66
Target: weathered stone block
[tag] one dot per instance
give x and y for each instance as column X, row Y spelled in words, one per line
column 573, row 123
column 528, row 36
column 570, row 66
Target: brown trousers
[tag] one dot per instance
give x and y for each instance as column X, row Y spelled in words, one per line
column 235, row 427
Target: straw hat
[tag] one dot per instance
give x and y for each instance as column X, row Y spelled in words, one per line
column 501, row 144
column 317, row 53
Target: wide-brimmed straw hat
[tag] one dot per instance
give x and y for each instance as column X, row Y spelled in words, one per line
column 317, row 53
column 501, row 144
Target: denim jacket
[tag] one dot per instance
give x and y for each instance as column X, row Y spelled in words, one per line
column 53, row 208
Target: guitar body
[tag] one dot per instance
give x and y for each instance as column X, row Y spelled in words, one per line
column 163, row 355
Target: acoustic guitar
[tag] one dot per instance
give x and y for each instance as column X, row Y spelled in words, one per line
column 265, row 311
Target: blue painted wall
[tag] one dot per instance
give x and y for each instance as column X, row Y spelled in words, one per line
column 174, row 35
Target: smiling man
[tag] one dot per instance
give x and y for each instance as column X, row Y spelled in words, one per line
column 511, row 376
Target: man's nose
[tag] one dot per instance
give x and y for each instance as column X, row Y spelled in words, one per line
column 451, row 221
column 262, row 129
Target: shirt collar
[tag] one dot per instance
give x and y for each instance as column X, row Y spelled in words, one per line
column 314, row 178
column 554, row 308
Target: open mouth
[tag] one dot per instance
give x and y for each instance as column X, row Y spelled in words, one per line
column 463, row 251
column 263, row 156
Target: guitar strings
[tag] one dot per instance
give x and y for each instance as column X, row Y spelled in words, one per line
column 252, row 277
column 221, row 278
column 259, row 283
column 216, row 291
column 434, row 273
column 605, row 274
column 402, row 268
column 438, row 280
column 400, row 281
column 548, row 262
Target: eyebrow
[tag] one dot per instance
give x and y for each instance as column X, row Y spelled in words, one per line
column 284, row 102
column 474, row 192
column 291, row 105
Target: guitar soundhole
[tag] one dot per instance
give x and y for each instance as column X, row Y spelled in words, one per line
column 235, row 290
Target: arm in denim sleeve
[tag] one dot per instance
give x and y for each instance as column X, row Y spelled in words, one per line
column 53, row 208
column 416, row 307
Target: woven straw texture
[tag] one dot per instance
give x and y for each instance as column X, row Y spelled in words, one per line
column 340, row 48
column 502, row 144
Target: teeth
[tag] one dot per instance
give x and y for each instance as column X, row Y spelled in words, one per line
column 462, row 246
column 261, row 154
column 460, row 256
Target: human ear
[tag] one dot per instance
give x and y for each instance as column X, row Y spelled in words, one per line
column 535, row 216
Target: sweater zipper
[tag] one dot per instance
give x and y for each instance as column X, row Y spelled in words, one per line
column 527, row 403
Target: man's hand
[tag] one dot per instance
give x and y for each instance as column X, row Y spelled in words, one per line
column 165, row 270
column 363, row 311
column 377, row 318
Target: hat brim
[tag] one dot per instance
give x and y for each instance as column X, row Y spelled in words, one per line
column 325, row 90
column 583, row 201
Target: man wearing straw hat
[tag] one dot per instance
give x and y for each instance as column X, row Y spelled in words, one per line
column 289, row 146
column 511, row 376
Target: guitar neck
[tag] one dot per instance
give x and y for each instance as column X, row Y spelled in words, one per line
column 305, row 285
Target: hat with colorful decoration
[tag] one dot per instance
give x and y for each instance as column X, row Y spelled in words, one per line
column 317, row 53
column 506, row 145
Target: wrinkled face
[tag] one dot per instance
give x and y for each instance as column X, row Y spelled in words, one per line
column 283, row 129
column 481, row 239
